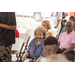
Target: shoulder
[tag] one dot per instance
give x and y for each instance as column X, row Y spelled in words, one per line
column 32, row 41
column 62, row 34
column 74, row 34
column 48, row 34
column 11, row 13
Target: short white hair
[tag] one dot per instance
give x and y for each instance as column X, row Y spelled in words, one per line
column 70, row 22
column 42, row 29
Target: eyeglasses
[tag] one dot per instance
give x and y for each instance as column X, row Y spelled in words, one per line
column 50, row 49
column 68, row 25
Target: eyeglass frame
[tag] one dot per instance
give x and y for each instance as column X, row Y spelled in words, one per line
column 49, row 49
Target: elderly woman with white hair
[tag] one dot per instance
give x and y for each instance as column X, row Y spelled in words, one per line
column 36, row 46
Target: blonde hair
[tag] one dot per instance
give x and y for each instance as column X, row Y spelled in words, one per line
column 48, row 23
column 42, row 29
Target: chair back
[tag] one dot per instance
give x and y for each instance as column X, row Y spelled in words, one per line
column 54, row 33
column 18, row 44
column 24, row 36
column 30, row 32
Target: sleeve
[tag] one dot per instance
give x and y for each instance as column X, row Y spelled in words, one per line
column 49, row 34
column 73, row 39
column 60, row 38
column 59, row 16
column 11, row 18
column 28, row 50
column 29, row 47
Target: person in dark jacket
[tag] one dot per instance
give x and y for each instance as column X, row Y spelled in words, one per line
column 7, row 35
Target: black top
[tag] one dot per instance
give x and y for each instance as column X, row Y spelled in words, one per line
column 7, row 37
column 63, row 14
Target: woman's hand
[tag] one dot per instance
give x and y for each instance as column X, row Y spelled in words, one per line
column 24, row 58
column 55, row 26
column 34, row 61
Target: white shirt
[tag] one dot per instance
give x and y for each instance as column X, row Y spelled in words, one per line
column 54, row 19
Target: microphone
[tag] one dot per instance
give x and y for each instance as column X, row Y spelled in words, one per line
column 38, row 38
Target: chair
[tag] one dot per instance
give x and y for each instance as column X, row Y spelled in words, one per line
column 18, row 46
column 26, row 38
column 54, row 33
column 30, row 32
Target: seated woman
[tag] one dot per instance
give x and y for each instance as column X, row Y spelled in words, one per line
column 36, row 46
column 51, row 44
column 47, row 26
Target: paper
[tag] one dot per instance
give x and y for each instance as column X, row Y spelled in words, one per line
column 27, row 60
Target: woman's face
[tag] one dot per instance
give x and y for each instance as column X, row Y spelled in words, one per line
column 45, row 26
column 39, row 35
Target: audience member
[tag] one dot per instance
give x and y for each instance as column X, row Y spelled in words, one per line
column 66, row 41
column 64, row 14
column 36, row 46
column 47, row 26
column 72, row 18
column 63, row 21
column 16, row 33
column 51, row 44
column 57, row 58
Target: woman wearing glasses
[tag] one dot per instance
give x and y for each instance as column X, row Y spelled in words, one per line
column 51, row 44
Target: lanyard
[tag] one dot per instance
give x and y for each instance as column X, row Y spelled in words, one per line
column 35, row 51
column 54, row 15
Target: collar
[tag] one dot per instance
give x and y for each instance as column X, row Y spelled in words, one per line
column 71, row 32
column 41, row 44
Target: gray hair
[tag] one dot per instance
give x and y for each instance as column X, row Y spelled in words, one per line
column 55, row 46
column 70, row 22
column 42, row 29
